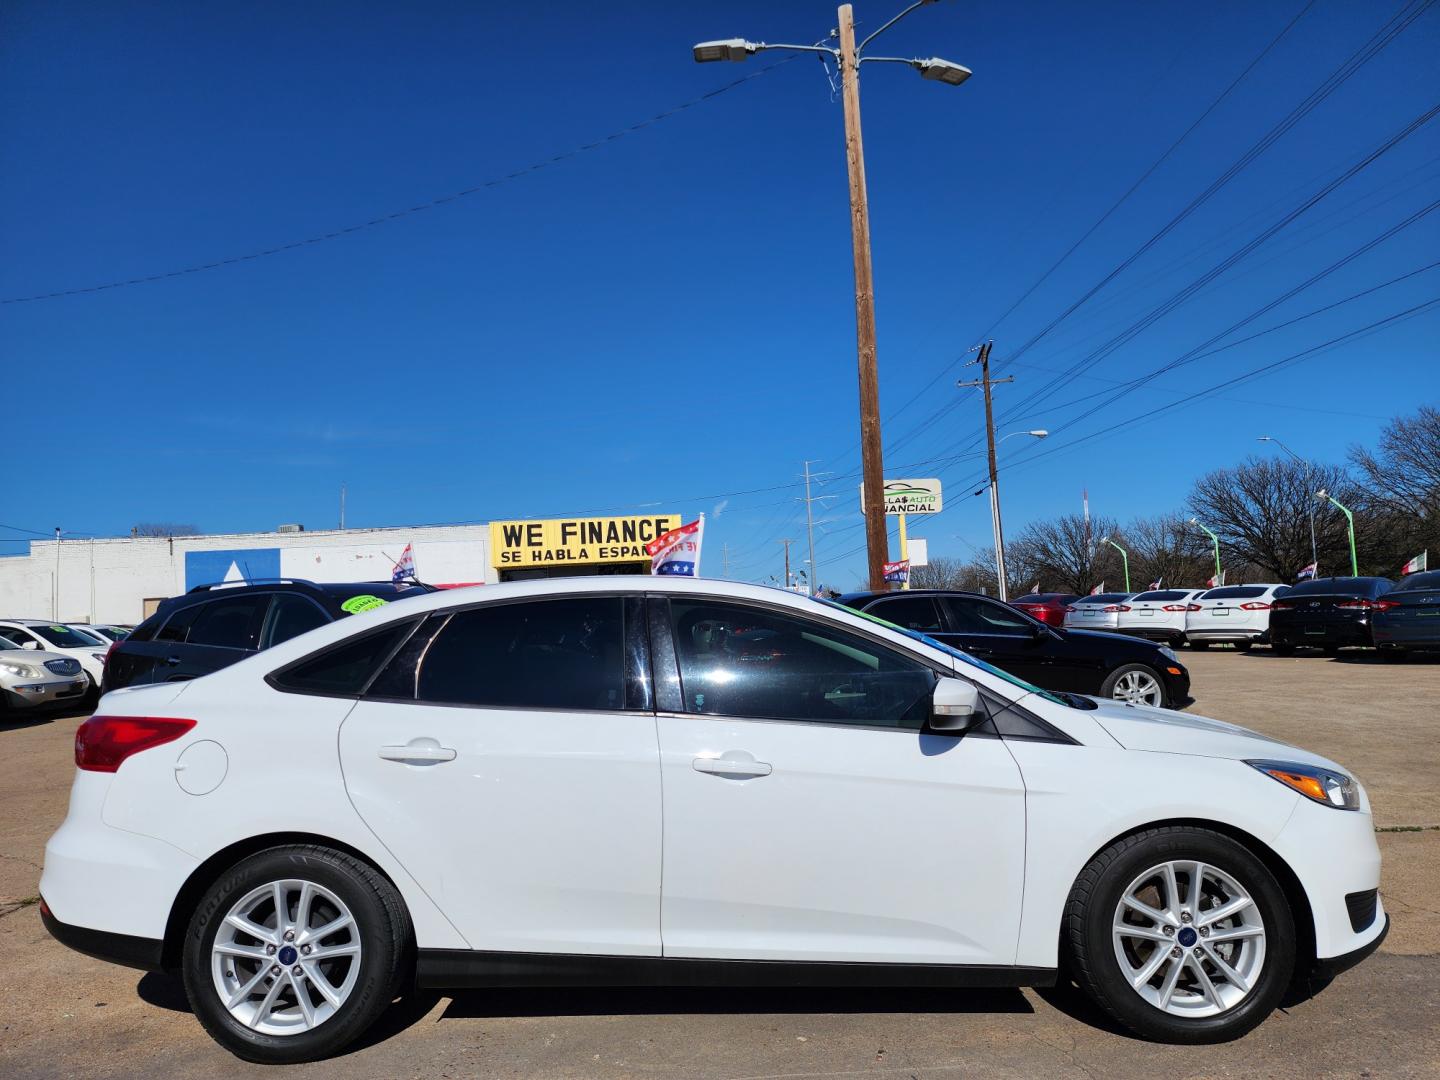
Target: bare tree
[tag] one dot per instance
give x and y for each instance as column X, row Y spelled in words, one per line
column 1168, row 550
column 1404, row 476
column 163, row 528
column 1060, row 555
column 1261, row 511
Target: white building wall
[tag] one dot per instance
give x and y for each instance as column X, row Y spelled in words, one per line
column 110, row 580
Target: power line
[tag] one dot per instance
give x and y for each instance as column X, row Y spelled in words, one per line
column 432, row 204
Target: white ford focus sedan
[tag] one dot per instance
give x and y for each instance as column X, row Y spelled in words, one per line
column 660, row 782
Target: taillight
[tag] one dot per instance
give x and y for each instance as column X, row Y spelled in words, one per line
column 1385, row 605
column 106, row 661
column 1116, row 607
column 1174, row 607
column 1363, row 605
column 1255, row 605
column 1069, row 608
column 1283, row 604
column 1192, row 607
column 103, row 742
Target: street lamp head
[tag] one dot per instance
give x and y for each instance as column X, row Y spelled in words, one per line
column 944, row 71
column 1264, row 438
column 729, row 49
column 1322, row 494
column 1039, row 433
column 1194, row 521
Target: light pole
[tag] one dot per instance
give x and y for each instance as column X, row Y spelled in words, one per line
column 1214, row 540
column 1309, row 484
column 1349, row 524
column 999, row 533
column 1124, row 555
column 848, row 58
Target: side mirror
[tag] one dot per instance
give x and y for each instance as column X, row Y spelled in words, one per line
column 955, row 706
column 30, row 645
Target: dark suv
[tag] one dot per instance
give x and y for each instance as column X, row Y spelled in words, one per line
column 214, row 626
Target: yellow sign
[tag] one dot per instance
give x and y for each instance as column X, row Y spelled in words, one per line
column 567, row 541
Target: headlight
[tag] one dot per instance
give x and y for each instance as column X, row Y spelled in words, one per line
column 23, row 671
column 1169, row 654
column 99, row 656
column 1323, row 785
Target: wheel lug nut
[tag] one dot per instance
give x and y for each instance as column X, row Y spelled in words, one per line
column 274, row 969
column 1199, row 951
column 297, row 970
column 305, row 949
column 1204, row 931
column 1177, row 952
column 1185, row 916
column 269, row 950
column 1168, row 931
column 289, row 935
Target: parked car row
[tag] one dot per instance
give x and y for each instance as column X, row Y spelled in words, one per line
column 1326, row 613
column 51, row 665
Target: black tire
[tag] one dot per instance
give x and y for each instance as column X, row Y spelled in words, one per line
column 1280, row 648
column 1244, row 646
column 1087, row 933
column 1331, row 650
column 1107, row 688
column 385, row 962
column 1199, row 646
column 1394, row 656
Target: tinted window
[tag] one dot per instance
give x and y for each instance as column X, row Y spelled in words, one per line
column 291, row 616
column 146, row 630
column 343, row 668
column 972, row 615
column 742, row 661
column 1427, row 580
column 20, row 637
column 7, row 643
column 1235, row 592
column 911, row 612
column 177, row 626
column 232, row 622
column 1345, row 586
column 546, row 654
column 1163, row 594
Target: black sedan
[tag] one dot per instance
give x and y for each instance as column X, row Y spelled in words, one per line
column 1077, row 661
column 1407, row 619
column 1328, row 613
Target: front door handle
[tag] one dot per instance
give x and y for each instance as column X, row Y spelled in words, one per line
column 424, row 751
column 736, row 764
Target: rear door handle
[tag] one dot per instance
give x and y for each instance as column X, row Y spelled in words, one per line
column 737, row 765
column 172, row 660
column 422, row 751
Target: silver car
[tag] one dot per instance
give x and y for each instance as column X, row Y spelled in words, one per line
column 33, row 679
column 1100, row 611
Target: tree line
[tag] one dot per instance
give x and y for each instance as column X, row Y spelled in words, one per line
column 1262, row 511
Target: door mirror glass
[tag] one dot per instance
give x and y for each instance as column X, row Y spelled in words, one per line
column 955, row 706
column 31, row 644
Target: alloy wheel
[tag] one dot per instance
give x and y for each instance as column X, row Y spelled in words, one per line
column 1139, row 688
column 286, row 957
column 1189, row 938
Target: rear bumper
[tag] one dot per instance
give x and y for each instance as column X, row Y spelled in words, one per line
column 1322, row 634
column 1153, row 633
column 124, row 949
column 1225, row 633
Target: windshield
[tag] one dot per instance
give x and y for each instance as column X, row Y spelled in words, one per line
column 63, row 637
column 934, row 644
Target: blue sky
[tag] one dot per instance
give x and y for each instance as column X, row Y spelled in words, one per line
column 669, row 318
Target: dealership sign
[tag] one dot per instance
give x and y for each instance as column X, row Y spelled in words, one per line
column 909, row 497
column 576, row 540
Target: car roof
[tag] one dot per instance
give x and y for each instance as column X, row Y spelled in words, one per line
column 865, row 596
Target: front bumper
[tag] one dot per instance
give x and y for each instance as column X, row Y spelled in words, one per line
column 29, row 694
column 1329, row 968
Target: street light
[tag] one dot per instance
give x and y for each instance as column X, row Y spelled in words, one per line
column 1214, row 540
column 1124, row 555
column 1309, row 481
column 1349, row 524
column 848, row 59
column 999, row 533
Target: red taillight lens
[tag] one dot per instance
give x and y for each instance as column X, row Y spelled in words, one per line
column 1255, row 605
column 108, row 651
column 103, row 742
column 1385, row 605
column 1116, row 607
column 1192, row 607
column 1173, row 607
column 1283, row 604
column 1363, row 605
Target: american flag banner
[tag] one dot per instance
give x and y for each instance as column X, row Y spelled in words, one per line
column 678, row 551
column 1306, row 572
column 405, row 568
column 1155, row 584
column 1098, row 589
column 898, row 572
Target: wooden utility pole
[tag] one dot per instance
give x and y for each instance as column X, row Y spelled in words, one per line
column 871, row 462
column 986, row 382
column 787, row 544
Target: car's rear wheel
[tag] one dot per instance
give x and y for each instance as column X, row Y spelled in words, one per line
column 1280, row 648
column 1395, row 656
column 294, row 952
column 1181, row 934
column 1135, row 683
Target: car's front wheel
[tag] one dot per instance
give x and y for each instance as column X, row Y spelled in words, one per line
column 1181, row 934
column 294, row 952
column 1135, row 683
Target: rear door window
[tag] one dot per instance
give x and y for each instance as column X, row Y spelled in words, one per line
column 343, row 669
column 911, row 612
column 290, row 616
column 176, row 628
column 231, row 622
column 973, row 615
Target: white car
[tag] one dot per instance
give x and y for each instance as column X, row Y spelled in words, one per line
column 103, row 630
column 1099, row 611
column 1158, row 615
column 1238, row 614
column 87, row 648
column 37, row 680
column 654, row 781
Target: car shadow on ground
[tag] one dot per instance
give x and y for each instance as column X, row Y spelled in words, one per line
column 17, row 721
